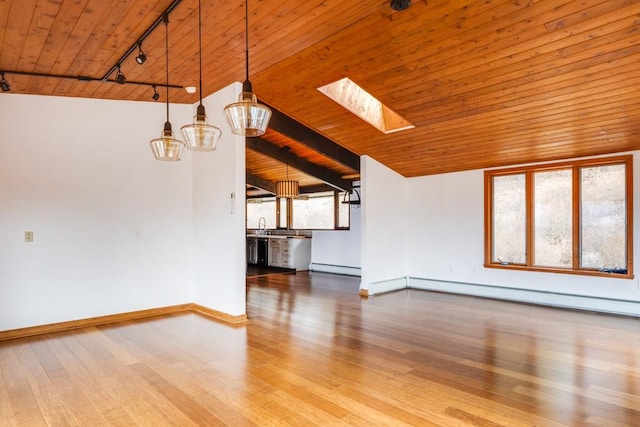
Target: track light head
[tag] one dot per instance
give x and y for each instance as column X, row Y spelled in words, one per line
column 120, row 78
column 4, row 84
column 141, row 58
column 156, row 95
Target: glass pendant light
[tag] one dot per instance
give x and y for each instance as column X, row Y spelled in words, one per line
column 167, row 147
column 200, row 136
column 246, row 117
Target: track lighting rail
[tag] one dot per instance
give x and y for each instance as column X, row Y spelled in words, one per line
column 141, row 39
column 120, row 79
column 90, row 79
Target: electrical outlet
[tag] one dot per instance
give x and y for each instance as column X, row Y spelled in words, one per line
column 28, row 236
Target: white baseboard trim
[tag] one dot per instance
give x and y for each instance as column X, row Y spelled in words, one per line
column 580, row 302
column 389, row 285
column 336, row 269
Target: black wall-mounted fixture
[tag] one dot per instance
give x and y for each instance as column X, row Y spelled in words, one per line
column 347, row 200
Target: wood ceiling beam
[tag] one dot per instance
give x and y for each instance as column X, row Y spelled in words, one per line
column 285, row 125
column 260, row 183
column 306, row 189
column 263, row 146
column 317, row 188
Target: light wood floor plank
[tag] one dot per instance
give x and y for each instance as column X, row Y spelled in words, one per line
column 80, row 382
column 24, row 404
column 55, row 412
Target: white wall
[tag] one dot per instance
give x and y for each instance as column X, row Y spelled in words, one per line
column 445, row 214
column 113, row 228
column 219, row 214
column 445, row 246
column 428, row 233
column 384, row 227
column 336, row 249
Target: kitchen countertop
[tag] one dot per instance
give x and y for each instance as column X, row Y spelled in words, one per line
column 275, row 236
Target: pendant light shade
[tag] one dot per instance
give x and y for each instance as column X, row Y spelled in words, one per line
column 167, row 147
column 246, row 117
column 200, row 136
column 287, row 189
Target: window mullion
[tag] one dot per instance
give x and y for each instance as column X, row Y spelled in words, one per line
column 577, row 209
column 336, row 208
column 488, row 219
column 629, row 217
column 528, row 182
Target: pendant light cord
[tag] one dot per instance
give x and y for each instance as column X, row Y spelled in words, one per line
column 166, row 52
column 246, row 38
column 200, row 43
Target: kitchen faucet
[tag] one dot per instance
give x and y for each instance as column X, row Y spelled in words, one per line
column 262, row 225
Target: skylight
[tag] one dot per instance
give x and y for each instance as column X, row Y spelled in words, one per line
column 361, row 103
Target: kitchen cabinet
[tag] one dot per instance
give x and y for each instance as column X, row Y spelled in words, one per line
column 290, row 253
column 275, row 252
column 279, row 251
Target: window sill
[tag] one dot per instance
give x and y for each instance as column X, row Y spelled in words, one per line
column 560, row 271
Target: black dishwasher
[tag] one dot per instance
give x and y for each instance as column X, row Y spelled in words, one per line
column 263, row 252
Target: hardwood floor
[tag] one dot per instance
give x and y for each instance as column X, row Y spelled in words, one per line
column 258, row 270
column 315, row 353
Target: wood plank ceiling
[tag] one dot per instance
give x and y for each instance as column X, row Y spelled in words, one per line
column 486, row 82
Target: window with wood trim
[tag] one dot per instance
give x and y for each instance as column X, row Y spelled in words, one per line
column 314, row 211
column 261, row 209
column 317, row 211
column 571, row 217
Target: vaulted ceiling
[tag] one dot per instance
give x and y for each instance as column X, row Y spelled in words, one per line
column 485, row 82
